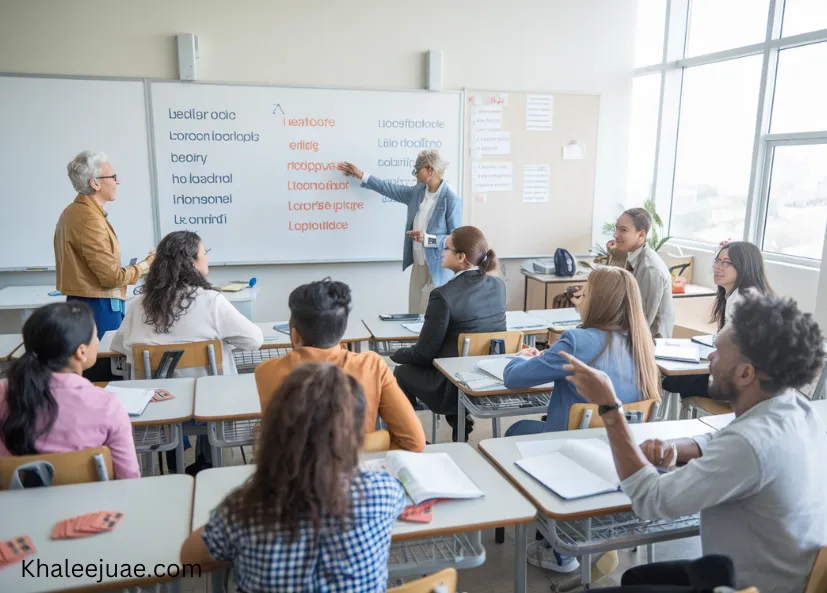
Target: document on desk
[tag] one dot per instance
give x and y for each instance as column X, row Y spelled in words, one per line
column 495, row 366
column 678, row 350
column 413, row 327
column 426, row 476
column 577, row 469
column 478, row 381
column 517, row 320
column 134, row 400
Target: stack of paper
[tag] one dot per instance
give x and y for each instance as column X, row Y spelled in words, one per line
column 134, row 400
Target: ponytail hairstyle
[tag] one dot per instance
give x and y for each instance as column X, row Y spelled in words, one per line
column 613, row 304
column 51, row 337
column 318, row 312
column 470, row 241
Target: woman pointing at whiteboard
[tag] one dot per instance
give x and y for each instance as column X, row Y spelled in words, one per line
column 434, row 211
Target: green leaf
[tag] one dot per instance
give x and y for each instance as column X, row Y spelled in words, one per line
column 663, row 242
column 608, row 228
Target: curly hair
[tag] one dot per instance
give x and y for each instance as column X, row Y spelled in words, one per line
column 172, row 280
column 307, row 453
column 779, row 340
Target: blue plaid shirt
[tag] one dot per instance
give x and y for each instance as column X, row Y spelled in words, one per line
column 353, row 559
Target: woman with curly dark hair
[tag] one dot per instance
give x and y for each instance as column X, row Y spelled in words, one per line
column 308, row 519
column 178, row 305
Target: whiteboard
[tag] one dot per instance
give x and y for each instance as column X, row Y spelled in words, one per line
column 44, row 123
column 252, row 169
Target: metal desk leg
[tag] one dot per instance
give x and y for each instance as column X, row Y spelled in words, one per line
column 357, row 347
column 179, row 450
column 525, row 294
column 519, row 558
column 586, row 560
column 215, row 452
column 650, row 553
column 531, row 340
column 217, row 580
column 460, row 420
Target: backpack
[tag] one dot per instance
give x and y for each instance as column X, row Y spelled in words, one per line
column 564, row 264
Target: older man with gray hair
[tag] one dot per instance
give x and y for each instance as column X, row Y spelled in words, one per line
column 87, row 252
column 434, row 211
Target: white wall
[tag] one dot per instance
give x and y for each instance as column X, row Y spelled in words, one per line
column 580, row 46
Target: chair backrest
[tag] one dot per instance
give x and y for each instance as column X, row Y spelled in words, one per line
column 378, row 440
column 444, row 581
column 207, row 354
column 576, row 412
column 478, row 344
column 817, row 583
column 74, row 467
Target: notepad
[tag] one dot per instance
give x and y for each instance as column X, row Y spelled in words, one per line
column 426, row 476
column 134, row 400
column 495, row 366
column 413, row 327
column 679, row 350
column 579, row 468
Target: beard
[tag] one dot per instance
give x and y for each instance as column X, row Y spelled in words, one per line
column 722, row 389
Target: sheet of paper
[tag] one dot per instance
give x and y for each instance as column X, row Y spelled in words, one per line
column 488, row 118
column 491, row 143
column 573, row 151
column 537, row 448
column 134, row 400
column 535, row 183
column 478, row 381
column 492, row 176
column 539, row 113
column 413, row 327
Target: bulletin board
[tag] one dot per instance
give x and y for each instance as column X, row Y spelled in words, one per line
column 530, row 161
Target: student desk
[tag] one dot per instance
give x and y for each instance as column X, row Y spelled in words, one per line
column 9, row 344
column 26, row 299
column 156, row 523
column 230, row 406
column 161, row 426
column 531, row 326
column 386, row 337
column 355, row 333
column 671, row 368
column 453, row 537
column 540, row 289
column 595, row 524
column 721, row 421
column 494, row 402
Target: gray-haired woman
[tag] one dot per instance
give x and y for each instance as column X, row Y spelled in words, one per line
column 434, row 211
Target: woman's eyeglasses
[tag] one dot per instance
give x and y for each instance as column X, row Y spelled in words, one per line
column 723, row 263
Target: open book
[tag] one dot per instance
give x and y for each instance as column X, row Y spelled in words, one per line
column 134, row 400
column 579, row 468
column 425, row 476
column 495, row 366
column 679, row 350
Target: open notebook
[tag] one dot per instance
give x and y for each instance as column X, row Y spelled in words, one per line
column 495, row 366
column 579, row 468
column 425, row 476
column 134, row 400
column 679, row 350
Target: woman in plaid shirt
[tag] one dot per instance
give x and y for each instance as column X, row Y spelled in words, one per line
column 308, row 519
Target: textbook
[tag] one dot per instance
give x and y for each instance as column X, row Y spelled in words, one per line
column 425, row 476
column 707, row 340
column 134, row 400
column 679, row 350
column 579, row 468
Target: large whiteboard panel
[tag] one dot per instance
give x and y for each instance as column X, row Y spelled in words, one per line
column 44, row 123
column 252, row 169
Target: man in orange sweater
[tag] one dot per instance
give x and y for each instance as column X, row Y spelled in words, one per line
column 318, row 319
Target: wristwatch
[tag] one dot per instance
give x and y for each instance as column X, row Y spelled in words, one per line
column 618, row 405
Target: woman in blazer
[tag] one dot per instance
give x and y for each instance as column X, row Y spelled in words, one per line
column 434, row 211
column 472, row 301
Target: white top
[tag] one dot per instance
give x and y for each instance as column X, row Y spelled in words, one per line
column 178, row 409
column 420, row 223
column 763, row 500
column 210, row 316
column 732, row 302
column 502, row 504
column 146, row 504
column 226, row 397
column 503, row 452
column 8, row 344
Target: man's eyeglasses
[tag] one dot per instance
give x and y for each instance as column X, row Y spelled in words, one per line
column 113, row 177
column 415, row 171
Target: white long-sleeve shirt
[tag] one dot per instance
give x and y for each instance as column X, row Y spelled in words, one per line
column 761, row 489
column 210, row 316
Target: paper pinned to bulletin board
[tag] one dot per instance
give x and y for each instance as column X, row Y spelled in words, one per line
column 532, row 181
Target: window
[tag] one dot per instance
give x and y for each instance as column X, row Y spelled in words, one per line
column 714, row 151
column 803, row 16
column 716, row 25
column 643, row 137
column 649, row 33
column 797, row 204
column 800, row 90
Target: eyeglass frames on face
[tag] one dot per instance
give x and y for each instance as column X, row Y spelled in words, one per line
column 723, row 263
column 113, row 177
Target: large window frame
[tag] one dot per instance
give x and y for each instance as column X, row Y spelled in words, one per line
column 672, row 67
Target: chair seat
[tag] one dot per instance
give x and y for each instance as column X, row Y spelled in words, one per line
column 709, row 405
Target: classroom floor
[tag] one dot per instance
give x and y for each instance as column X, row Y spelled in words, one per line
column 496, row 574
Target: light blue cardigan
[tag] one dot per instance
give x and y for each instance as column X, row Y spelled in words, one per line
column 447, row 216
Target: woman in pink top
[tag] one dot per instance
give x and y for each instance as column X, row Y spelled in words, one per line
column 46, row 406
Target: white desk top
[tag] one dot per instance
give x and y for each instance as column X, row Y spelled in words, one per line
column 156, row 522
column 501, row 505
column 463, row 364
column 226, row 397
column 355, row 332
column 718, row 421
column 526, row 323
column 696, row 290
column 8, row 344
column 389, row 330
column 173, row 411
column 27, row 297
column 557, row 316
column 503, row 453
column 671, row 368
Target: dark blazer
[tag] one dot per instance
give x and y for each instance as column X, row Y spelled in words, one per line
column 472, row 302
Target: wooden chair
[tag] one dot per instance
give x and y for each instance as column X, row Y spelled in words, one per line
column 74, row 467
column 444, row 581
column 817, row 582
column 692, row 407
column 646, row 406
column 378, row 440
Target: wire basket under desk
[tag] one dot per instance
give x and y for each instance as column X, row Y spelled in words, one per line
column 415, row 558
column 246, row 361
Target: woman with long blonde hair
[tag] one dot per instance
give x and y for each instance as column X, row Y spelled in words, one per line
column 615, row 338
